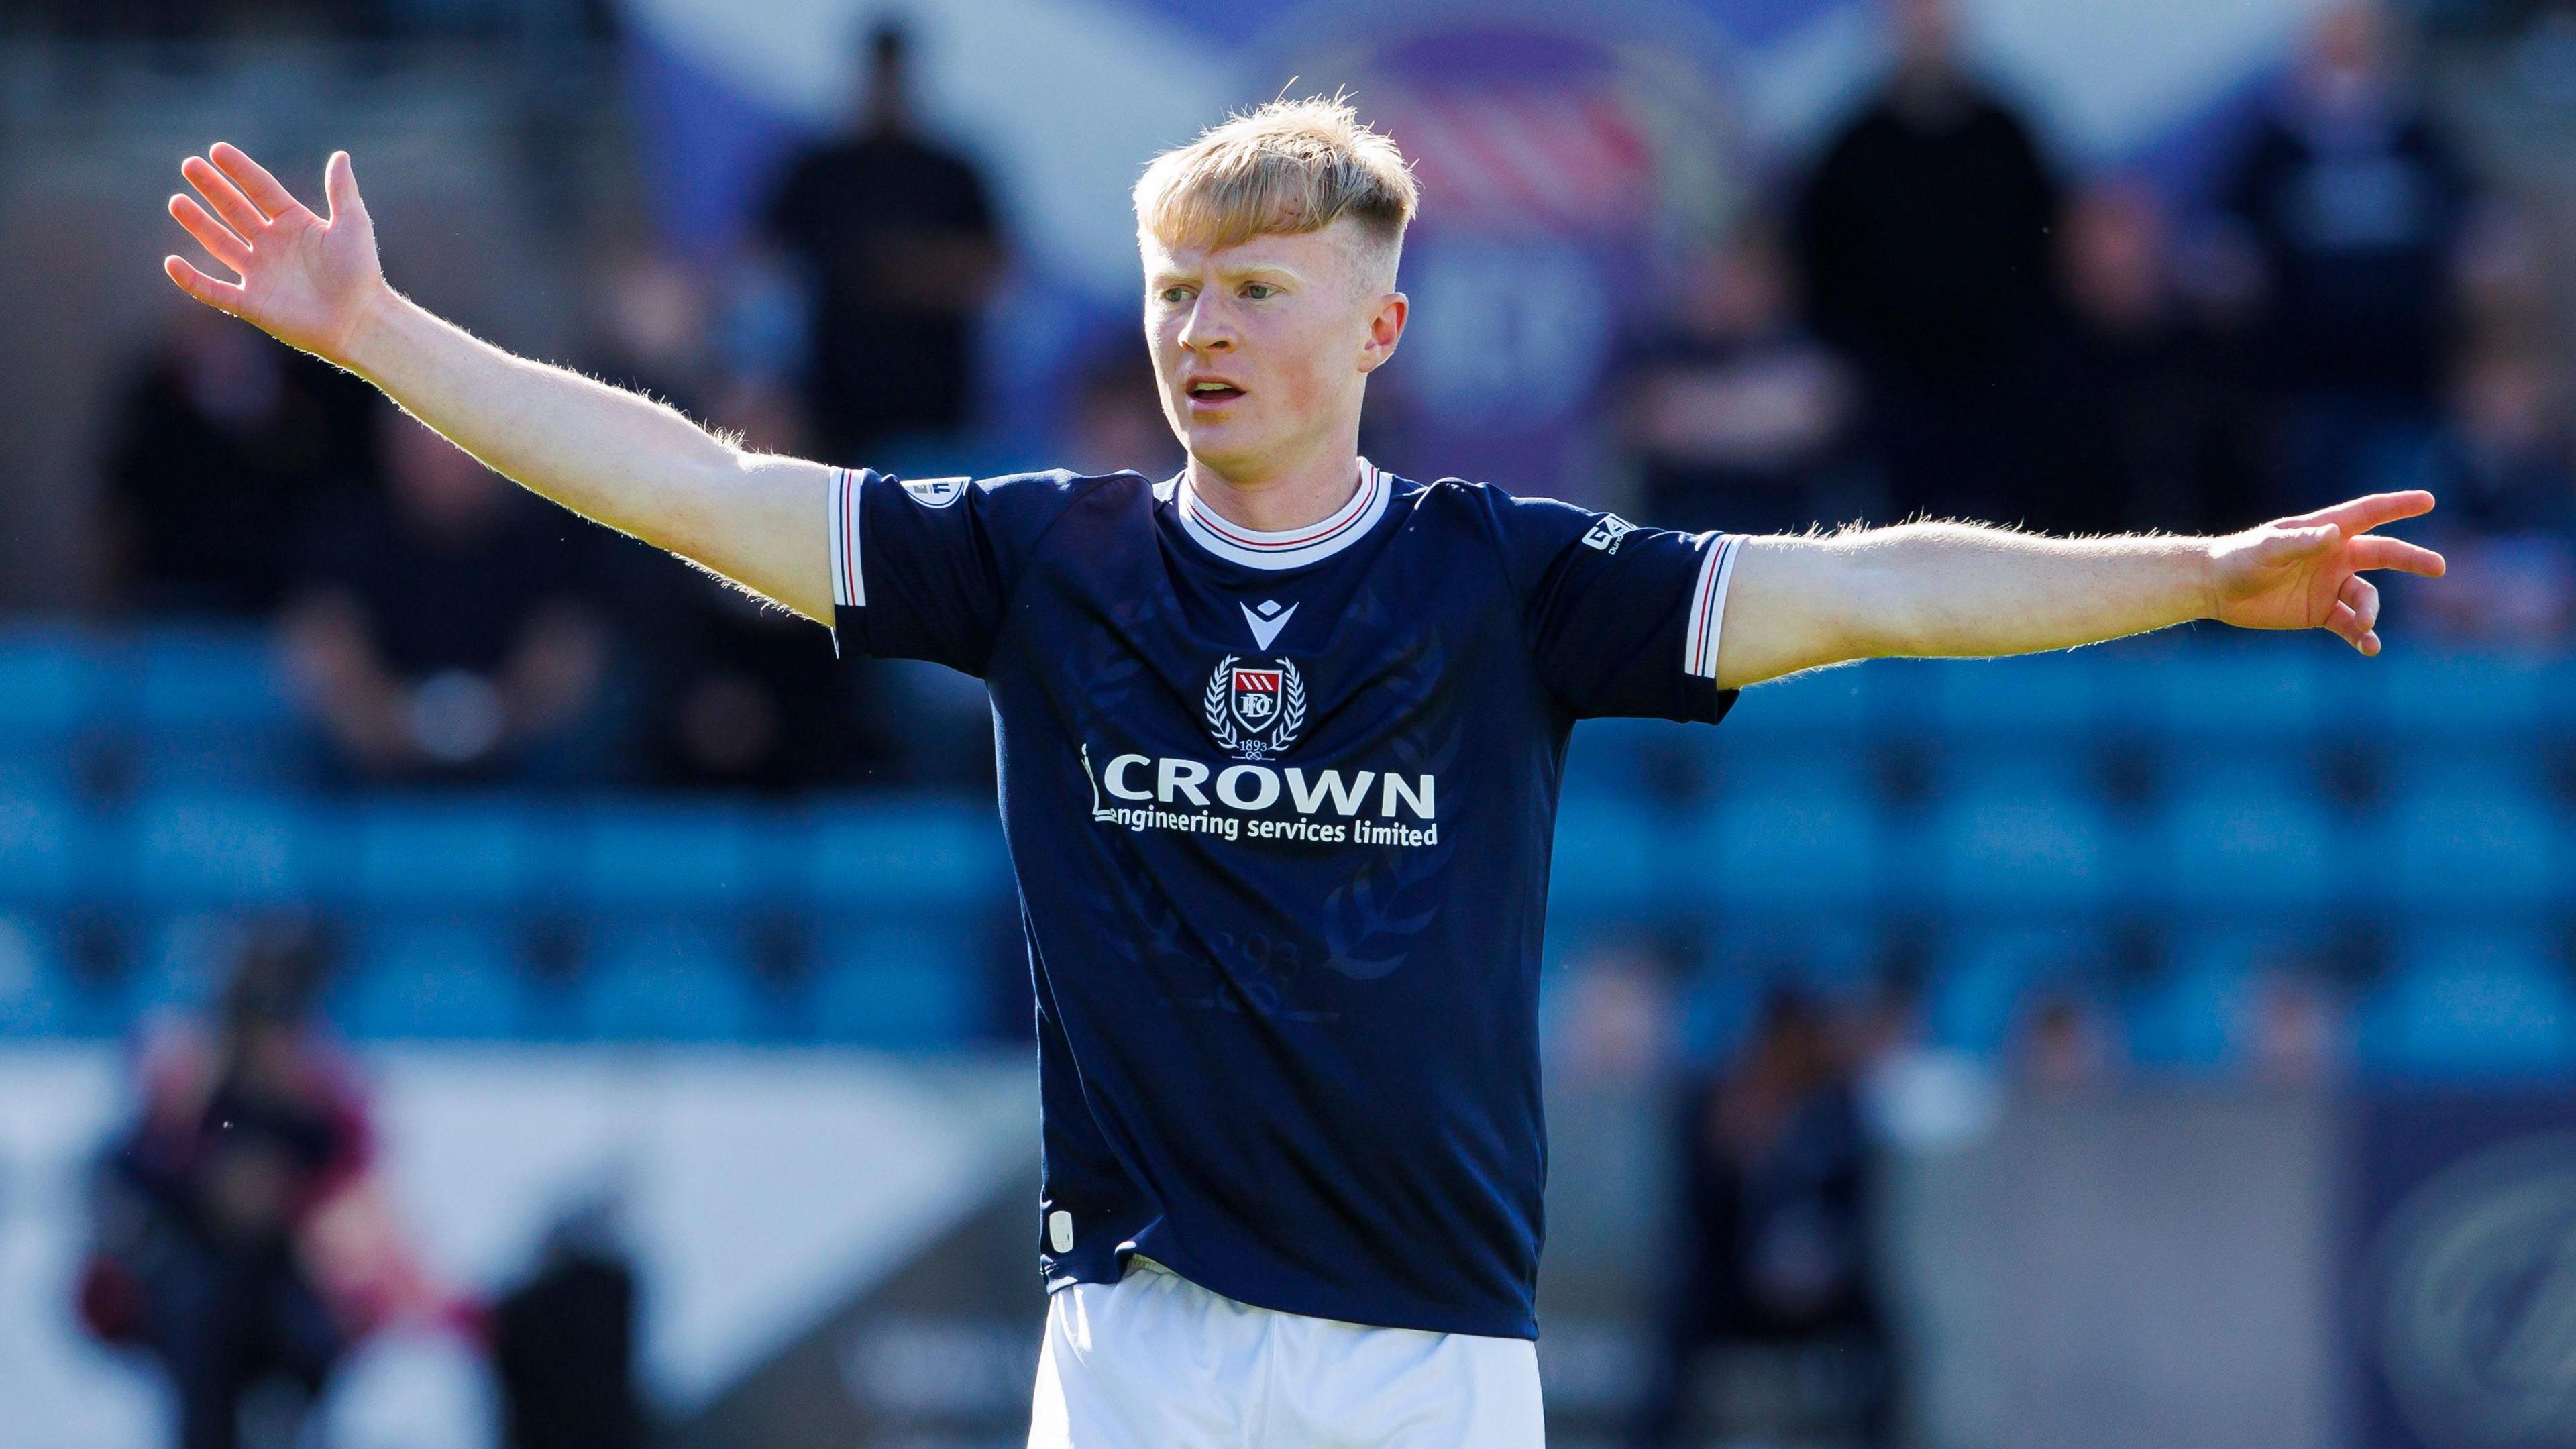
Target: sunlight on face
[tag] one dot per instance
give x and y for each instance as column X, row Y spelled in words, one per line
column 1263, row 350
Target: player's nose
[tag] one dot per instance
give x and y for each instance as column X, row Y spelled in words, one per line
column 1204, row 330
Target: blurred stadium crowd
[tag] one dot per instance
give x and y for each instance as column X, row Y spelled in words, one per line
column 530, row 780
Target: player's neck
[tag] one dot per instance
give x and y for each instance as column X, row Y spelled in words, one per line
column 1277, row 502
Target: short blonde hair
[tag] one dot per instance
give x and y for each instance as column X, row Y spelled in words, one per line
column 1283, row 169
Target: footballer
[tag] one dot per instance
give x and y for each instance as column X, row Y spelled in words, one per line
column 1279, row 743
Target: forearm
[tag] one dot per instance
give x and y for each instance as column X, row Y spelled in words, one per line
column 605, row 453
column 1932, row 590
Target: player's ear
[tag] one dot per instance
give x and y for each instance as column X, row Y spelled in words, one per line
column 1386, row 329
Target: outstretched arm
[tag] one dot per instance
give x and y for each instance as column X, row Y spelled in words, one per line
column 631, row 463
column 1934, row 590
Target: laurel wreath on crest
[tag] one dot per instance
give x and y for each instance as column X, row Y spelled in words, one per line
column 1254, row 746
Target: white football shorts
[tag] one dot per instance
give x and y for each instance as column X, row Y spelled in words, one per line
column 1154, row 1361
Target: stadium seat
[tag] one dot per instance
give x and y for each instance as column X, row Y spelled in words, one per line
column 1823, row 709
column 1830, row 955
column 2471, row 1005
column 2016, row 833
column 411, row 852
column 209, row 708
column 1799, row 836
column 1610, row 860
column 2471, row 834
column 668, row 981
column 2424, row 696
column 909, row 858
column 671, row 857
column 2241, row 695
column 2240, row 837
column 220, row 850
column 1975, row 705
column 1615, row 759
column 180, row 965
column 432, row 980
column 36, row 995
column 891, row 986
column 1987, row 975
column 49, row 687
column 43, row 847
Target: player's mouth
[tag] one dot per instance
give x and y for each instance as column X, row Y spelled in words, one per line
column 1209, row 393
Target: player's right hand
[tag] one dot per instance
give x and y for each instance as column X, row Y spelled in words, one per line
column 307, row 280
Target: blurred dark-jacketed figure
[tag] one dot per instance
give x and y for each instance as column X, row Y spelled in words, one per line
column 240, row 1238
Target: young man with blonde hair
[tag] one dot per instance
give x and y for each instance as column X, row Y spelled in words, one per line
column 1279, row 744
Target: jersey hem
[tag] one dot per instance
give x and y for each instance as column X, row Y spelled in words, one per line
column 1523, row 1325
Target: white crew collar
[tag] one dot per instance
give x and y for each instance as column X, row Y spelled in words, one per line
column 1287, row 548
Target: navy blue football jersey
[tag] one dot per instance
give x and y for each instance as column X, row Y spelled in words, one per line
column 1280, row 807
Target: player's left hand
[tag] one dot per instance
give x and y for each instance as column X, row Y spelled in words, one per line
column 2305, row 572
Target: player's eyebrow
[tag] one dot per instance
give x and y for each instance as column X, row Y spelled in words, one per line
column 1166, row 276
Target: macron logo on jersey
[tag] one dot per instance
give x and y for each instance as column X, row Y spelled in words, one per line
column 1266, row 621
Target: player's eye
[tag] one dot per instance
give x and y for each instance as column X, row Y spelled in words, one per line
column 1173, row 296
column 1257, row 291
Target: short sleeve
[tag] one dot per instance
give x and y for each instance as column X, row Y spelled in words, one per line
column 1622, row 620
column 923, row 568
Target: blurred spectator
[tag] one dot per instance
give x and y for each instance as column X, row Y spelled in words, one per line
column 1739, row 417
column 1776, row 1251
column 2151, row 435
column 901, row 247
column 1115, row 420
column 2296, row 1035
column 648, row 331
column 750, row 697
column 444, row 629
column 2509, row 464
column 563, row 1343
column 2065, row 1047
column 2507, row 479
column 2354, row 207
column 239, row 1239
column 1923, row 239
column 221, row 443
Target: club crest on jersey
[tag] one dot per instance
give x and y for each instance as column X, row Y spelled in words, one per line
column 936, row 492
column 1255, row 708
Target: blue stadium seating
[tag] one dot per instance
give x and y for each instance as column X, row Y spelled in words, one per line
column 2422, row 696
column 2493, row 1004
column 670, row 857
column 1793, row 859
column 1989, row 976
column 896, row 986
column 413, row 852
column 2240, row 697
column 43, row 847
column 904, row 857
column 228, row 849
column 36, row 993
column 209, row 709
column 435, row 979
column 2240, row 837
column 1799, row 835
column 1611, row 861
column 668, row 981
column 2470, row 835
column 49, row 687
column 2017, row 833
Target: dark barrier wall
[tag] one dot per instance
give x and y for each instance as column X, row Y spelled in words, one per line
column 2460, row 1308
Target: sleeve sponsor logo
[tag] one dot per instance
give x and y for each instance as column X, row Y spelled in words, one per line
column 1607, row 531
column 936, row 492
